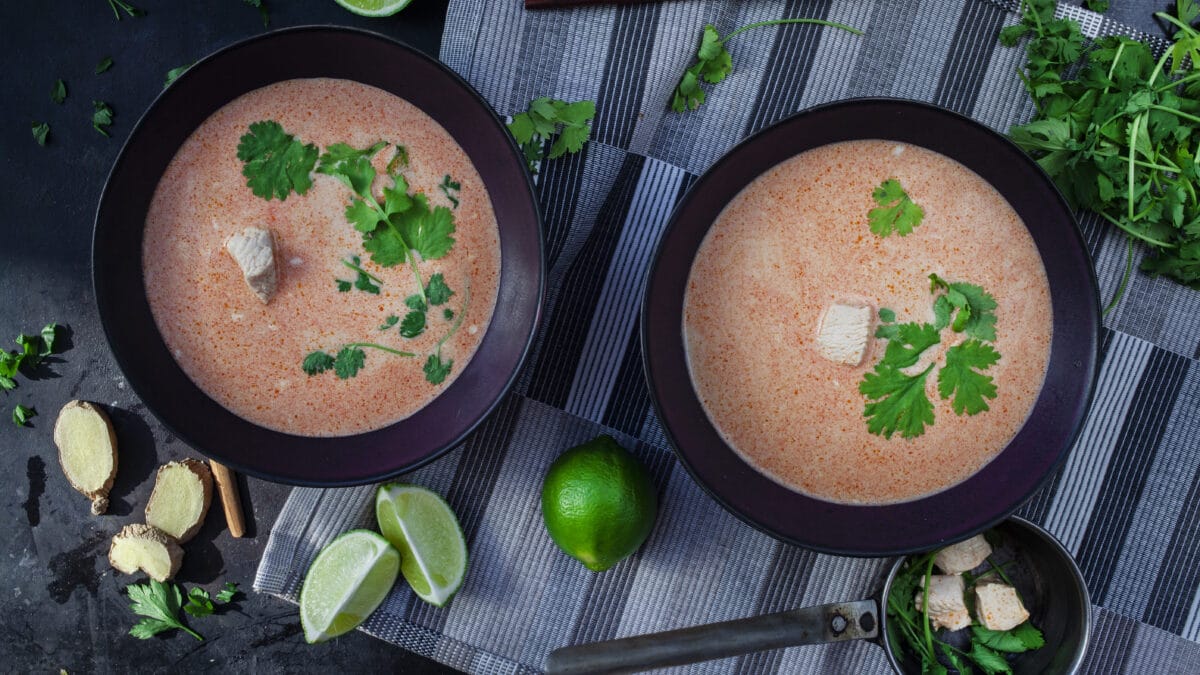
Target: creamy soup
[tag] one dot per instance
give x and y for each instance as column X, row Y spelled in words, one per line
column 796, row 242
column 248, row 355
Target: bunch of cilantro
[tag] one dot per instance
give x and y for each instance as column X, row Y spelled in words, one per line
column 909, row 628
column 1116, row 128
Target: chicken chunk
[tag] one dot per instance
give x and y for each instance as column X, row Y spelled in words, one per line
column 254, row 252
column 947, row 608
column 963, row 556
column 844, row 333
column 998, row 607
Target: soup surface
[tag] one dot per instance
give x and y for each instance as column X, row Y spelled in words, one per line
column 247, row 355
column 795, row 242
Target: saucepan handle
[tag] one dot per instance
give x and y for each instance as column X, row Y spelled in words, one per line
column 810, row 625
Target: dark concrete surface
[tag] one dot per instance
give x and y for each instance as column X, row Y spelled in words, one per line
column 61, row 605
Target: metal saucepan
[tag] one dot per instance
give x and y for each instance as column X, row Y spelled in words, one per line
column 1043, row 571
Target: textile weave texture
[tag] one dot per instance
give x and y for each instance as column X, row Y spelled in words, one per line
column 1126, row 503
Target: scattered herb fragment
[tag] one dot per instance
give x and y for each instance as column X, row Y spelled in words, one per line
column 413, row 324
column 262, row 10
column 227, row 593
column 21, row 415
column 104, row 65
column 58, row 93
column 448, row 314
column 714, row 63
column 275, row 162
column 198, row 602
column 399, row 159
column 317, row 363
column 392, row 320
column 436, row 370
column 41, row 132
column 348, row 360
column 159, row 603
column 174, row 73
column 364, row 281
column 102, row 116
column 447, row 186
column 123, row 7
column 897, row 212
column 436, row 291
column 972, row 308
column 546, row 117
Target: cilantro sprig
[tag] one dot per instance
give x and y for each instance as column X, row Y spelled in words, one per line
column 160, row 604
column 546, row 117
column 714, row 63
column 896, row 401
column 276, row 164
column 897, row 212
column 1117, row 128
column 347, row 361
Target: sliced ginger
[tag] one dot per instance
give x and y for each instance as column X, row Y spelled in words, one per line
column 87, row 450
column 146, row 548
column 180, row 500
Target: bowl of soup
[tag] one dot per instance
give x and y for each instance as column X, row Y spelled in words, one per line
column 319, row 271
column 872, row 328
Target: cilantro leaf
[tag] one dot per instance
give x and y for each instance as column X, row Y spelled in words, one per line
column 317, row 363
column 1023, row 638
column 415, row 302
column 102, row 116
column 58, row 93
column 104, row 65
column 21, row 415
column 976, row 308
column 960, row 376
column 227, row 593
column 896, row 212
column 448, row 314
column 174, row 73
column 351, row 165
column 911, row 340
column 427, row 232
column 413, row 324
column 392, row 320
column 436, row 369
column 159, row 603
column 436, row 291
column 41, row 132
column 348, row 362
column 129, row 9
column 49, row 335
column 387, row 247
column 897, row 401
column 545, row 117
column 449, row 186
column 275, row 162
column 363, row 280
column 343, row 286
column 399, row 159
column 198, row 602
column 989, row 661
column 363, row 216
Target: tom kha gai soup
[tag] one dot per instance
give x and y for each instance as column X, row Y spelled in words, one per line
column 868, row 322
column 321, row 257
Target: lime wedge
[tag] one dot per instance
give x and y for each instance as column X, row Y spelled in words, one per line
column 432, row 549
column 374, row 7
column 346, row 582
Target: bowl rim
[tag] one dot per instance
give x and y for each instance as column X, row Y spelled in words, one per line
column 529, row 194
column 648, row 325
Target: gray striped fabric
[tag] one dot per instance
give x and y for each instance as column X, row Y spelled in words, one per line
column 1126, row 503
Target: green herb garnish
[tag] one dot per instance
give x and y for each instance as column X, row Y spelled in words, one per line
column 124, row 7
column 21, row 415
column 227, row 593
column 961, row 378
column 263, row 12
column 104, row 65
column 41, row 132
column 413, row 324
column 392, row 320
column 546, row 117
column 160, row 604
column 897, row 212
column 973, row 309
column 348, row 360
column 102, row 116
column 198, row 602
column 448, row 186
column 714, row 63
column 58, row 93
column 436, row 370
column 897, row 401
column 173, row 74
column 364, row 281
column 275, row 162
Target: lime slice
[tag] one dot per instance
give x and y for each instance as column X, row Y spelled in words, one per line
column 347, row 581
column 374, row 7
column 432, row 548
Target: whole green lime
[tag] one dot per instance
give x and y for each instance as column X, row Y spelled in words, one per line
column 598, row 503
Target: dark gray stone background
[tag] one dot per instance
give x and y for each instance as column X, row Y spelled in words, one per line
column 61, row 606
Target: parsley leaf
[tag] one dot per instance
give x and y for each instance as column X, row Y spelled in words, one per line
column 58, row 93
column 896, row 212
column 159, row 603
column 413, row 324
column 546, row 116
column 125, row 7
column 174, row 73
column 198, row 602
column 1023, row 638
column 436, row 291
column 714, row 63
column 436, row 370
column 41, row 132
column 102, row 116
column 275, row 162
column 960, row 377
column 448, row 186
column 104, row 65
column 317, row 363
column 348, row 362
column 976, row 308
column 21, row 415
column 392, row 320
column 227, row 593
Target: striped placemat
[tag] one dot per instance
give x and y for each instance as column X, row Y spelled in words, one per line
column 1125, row 503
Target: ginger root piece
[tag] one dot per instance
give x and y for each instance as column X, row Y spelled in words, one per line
column 146, row 548
column 180, row 500
column 87, row 451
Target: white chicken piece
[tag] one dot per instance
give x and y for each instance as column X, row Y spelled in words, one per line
column 998, row 607
column 947, row 608
column 844, row 333
column 963, row 556
column 254, row 251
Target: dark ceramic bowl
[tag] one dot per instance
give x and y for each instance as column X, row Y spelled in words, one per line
column 958, row 512
column 125, row 313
